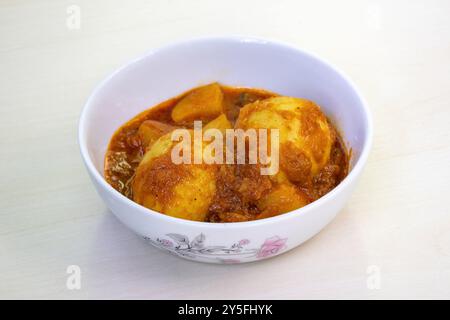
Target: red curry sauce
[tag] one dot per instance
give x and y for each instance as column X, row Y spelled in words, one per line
column 238, row 186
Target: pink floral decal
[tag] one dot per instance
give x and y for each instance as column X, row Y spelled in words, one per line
column 244, row 242
column 166, row 243
column 271, row 247
column 197, row 247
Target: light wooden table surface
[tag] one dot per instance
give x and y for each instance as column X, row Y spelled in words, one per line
column 395, row 228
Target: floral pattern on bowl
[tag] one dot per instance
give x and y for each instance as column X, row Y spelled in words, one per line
column 196, row 249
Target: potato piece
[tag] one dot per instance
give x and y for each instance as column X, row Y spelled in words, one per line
column 204, row 103
column 221, row 123
column 160, row 147
column 305, row 136
column 282, row 198
column 151, row 130
column 184, row 190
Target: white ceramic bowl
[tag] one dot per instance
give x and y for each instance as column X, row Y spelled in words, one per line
column 236, row 61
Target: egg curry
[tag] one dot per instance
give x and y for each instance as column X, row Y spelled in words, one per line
column 312, row 157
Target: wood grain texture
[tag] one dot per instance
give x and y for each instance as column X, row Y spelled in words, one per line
column 398, row 219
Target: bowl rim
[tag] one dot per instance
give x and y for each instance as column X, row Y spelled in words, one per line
column 352, row 175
